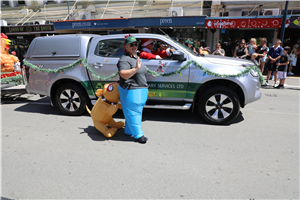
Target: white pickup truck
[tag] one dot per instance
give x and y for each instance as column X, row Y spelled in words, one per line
column 70, row 68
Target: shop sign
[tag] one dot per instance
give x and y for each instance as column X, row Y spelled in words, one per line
column 33, row 28
column 295, row 22
column 167, row 21
column 91, row 24
column 244, row 23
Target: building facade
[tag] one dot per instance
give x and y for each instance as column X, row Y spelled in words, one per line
column 225, row 20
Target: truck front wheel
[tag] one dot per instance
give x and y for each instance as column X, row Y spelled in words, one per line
column 219, row 105
column 70, row 99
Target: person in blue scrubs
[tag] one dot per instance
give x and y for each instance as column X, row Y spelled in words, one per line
column 133, row 89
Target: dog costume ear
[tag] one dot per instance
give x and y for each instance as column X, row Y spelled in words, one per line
column 99, row 92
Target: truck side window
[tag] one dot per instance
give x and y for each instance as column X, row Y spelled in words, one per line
column 110, row 48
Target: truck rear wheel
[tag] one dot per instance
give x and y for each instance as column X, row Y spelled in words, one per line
column 70, row 99
column 219, row 105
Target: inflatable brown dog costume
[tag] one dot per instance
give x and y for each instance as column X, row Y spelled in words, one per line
column 104, row 109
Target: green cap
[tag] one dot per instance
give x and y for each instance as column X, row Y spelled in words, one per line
column 130, row 39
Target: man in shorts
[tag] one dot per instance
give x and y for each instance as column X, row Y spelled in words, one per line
column 273, row 58
column 282, row 67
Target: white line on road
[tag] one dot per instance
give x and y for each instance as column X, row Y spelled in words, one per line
column 291, row 86
column 270, row 112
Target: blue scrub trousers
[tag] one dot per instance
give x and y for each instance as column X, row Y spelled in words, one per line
column 133, row 102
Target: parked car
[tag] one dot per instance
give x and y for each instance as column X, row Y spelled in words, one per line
column 70, row 68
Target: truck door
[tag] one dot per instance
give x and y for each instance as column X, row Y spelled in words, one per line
column 173, row 86
column 103, row 57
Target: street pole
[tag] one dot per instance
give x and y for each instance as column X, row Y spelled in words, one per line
column 68, row 11
column 283, row 21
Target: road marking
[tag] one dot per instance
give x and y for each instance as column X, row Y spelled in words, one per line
column 297, row 86
column 269, row 112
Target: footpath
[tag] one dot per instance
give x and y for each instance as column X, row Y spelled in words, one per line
column 291, row 82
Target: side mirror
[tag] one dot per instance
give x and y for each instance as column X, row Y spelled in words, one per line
column 177, row 55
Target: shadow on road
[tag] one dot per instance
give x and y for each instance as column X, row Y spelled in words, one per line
column 39, row 108
column 42, row 106
column 96, row 135
column 3, row 198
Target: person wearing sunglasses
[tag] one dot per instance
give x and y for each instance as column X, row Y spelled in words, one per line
column 148, row 53
column 241, row 51
column 133, row 89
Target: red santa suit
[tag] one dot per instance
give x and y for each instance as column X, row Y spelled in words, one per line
column 148, row 54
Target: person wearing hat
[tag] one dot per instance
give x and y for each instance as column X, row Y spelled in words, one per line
column 133, row 89
column 191, row 46
column 148, row 53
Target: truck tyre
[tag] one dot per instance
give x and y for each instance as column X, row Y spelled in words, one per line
column 71, row 100
column 219, row 105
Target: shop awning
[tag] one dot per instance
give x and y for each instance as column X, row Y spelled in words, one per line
column 91, row 24
column 167, row 21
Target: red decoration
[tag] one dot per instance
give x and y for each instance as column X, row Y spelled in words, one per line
column 244, row 23
column 10, row 74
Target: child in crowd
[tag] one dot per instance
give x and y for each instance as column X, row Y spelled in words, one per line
column 282, row 67
column 252, row 46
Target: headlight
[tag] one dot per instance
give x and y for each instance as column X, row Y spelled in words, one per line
column 254, row 73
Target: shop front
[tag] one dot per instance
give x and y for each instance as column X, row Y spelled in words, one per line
column 21, row 36
column 237, row 28
column 292, row 31
column 179, row 28
column 292, row 36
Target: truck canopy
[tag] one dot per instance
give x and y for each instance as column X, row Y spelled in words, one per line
column 55, row 47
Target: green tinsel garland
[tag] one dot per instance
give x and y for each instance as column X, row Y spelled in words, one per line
column 14, row 79
column 61, row 69
column 153, row 73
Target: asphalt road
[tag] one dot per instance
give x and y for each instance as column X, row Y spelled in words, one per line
column 46, row 155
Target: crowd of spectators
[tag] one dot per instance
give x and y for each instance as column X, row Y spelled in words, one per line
column 267, row 58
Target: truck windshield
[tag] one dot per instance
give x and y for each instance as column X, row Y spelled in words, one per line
column 185, row 47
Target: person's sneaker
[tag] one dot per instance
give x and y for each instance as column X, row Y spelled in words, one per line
column 265, row 84
column 280, row 87
column 275, row 85
column 291, row 73
column 271, row 78
column 142, row 140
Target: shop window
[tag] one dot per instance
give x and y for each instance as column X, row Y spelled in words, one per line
column 247, row 13
column 289, row 12
column 224, row 14
column 5, row 3
column 21, row 2
column 296, row 12
column 244, row 13
column 254, row 13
